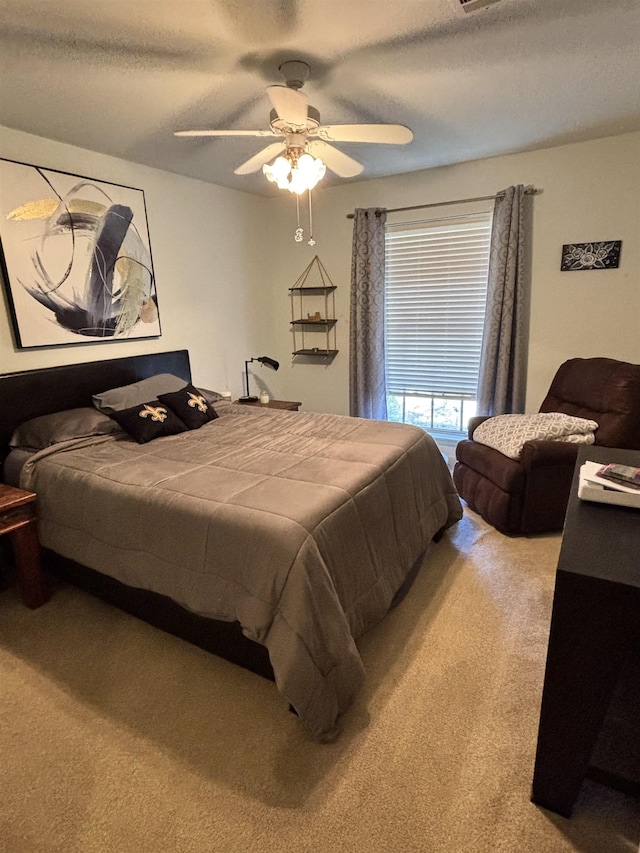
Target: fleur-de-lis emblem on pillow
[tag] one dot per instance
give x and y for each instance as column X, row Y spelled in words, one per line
column 156, row 413
column 197, row 402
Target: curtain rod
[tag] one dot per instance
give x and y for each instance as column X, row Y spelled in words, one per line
column 528, row 191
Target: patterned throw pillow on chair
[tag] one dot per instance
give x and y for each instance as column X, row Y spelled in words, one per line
column 509, row 433
column 147, row 421
column 190, row 405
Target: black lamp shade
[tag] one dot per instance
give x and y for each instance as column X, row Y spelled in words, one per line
column 270, row 362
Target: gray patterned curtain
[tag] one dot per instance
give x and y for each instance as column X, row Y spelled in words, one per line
column 503, row 362
column 367, row 381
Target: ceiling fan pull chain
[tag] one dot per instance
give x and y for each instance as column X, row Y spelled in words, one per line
column 310, row 241
column 299, row 232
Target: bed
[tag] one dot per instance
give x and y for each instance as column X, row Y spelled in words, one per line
column 276, row 539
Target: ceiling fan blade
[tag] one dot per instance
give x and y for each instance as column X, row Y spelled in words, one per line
column 290, row 104
column 223, row 133
column 255, row 163
column 391, row 134
column 343, row 165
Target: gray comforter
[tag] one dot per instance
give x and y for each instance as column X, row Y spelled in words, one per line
column 301, row 527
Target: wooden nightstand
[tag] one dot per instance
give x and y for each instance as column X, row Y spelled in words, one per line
column 287, row 405
column 18, row 519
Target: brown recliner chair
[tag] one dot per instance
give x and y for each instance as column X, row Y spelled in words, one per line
column 530, row 494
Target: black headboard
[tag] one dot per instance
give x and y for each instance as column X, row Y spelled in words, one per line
column 31, row 393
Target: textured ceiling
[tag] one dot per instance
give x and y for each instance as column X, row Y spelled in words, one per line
column 119, row 77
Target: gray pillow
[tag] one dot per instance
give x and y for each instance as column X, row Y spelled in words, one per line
column 61, row 426
column 127, row 396
column 211, row 396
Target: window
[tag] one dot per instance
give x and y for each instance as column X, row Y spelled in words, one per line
column 436, row 285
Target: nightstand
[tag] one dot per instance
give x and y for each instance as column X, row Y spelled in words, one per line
column 18, row 519
column 287, row 405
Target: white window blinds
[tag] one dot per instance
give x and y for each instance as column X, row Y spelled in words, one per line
column 436, row 284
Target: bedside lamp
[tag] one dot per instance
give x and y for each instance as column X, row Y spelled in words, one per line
column 263, row 359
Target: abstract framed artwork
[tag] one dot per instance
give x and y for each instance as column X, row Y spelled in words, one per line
column 76, row 258
column 604, row 255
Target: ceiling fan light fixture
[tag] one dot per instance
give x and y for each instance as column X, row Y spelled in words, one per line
column 278, row 172
column 295, row 172
column 307, row 173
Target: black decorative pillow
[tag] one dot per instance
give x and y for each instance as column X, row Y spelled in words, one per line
column 147, row 421
column 190, row 405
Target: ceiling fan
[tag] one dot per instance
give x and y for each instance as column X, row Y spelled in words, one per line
column 304, row 141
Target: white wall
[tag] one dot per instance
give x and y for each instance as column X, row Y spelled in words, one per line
column 207, row 247
column 590, row 191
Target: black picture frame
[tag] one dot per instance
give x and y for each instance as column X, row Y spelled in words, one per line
column 75, row 258
column 599, row 255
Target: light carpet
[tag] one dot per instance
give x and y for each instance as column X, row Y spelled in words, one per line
column 117, row 737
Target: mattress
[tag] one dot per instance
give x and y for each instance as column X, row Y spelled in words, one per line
column 301, row 527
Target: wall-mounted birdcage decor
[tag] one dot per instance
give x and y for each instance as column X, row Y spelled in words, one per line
column 313, row 313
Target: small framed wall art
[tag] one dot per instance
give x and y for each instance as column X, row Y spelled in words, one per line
column 603, row 255
column 75, row 258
